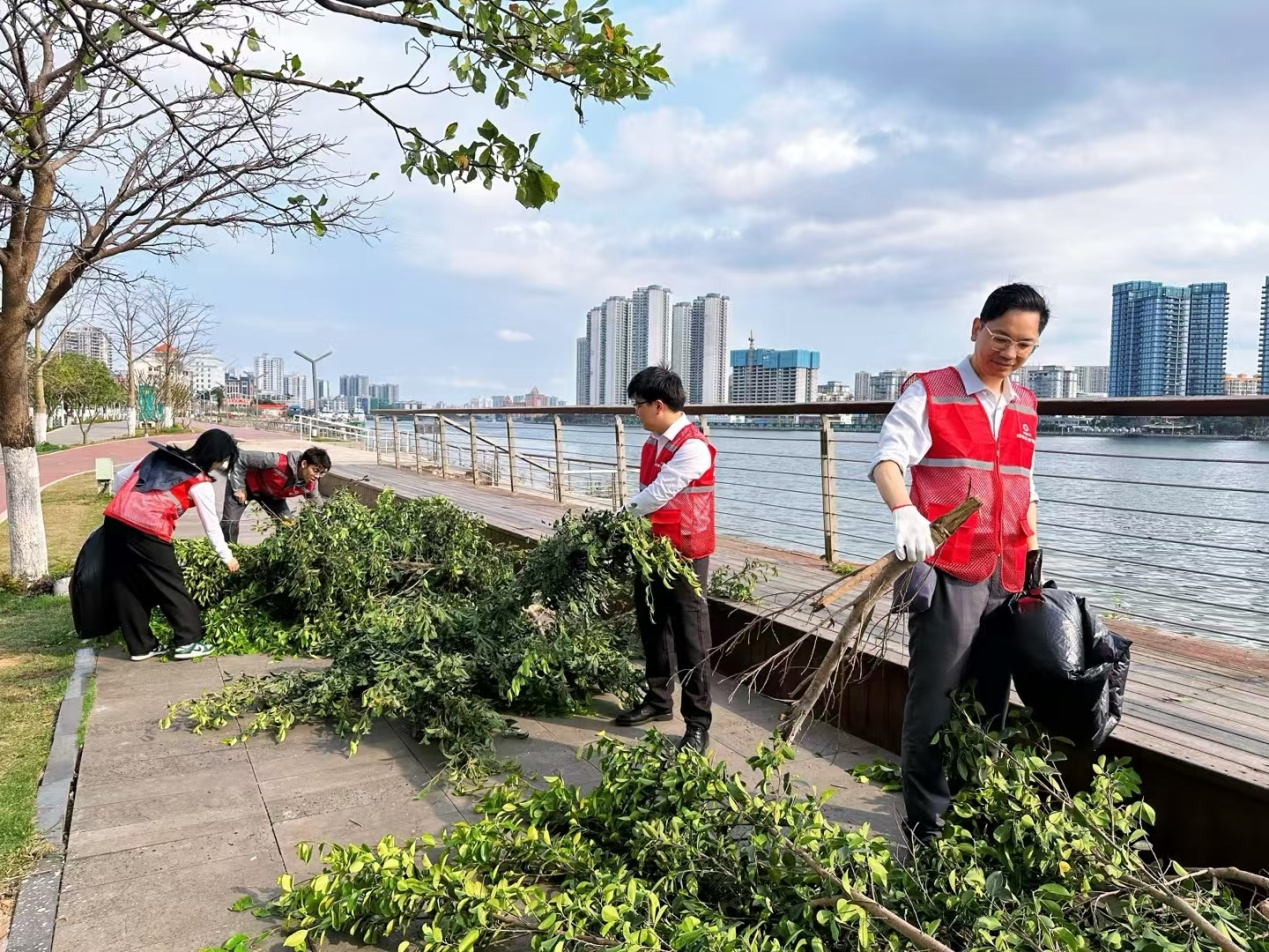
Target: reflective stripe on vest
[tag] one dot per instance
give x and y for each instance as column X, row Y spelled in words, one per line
column 964, row 459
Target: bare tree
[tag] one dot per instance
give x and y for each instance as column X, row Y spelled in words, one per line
column 182, row 328
column 124, row 311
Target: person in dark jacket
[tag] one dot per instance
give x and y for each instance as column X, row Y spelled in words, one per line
column 149, row 497
column 270, row 479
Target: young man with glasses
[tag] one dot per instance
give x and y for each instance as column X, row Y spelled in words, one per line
column 961, row 431
column 676, row 493
column 270, row 479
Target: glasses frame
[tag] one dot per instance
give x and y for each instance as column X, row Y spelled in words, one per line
column 1025, row 347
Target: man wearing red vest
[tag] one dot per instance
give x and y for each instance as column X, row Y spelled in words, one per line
column 270, row 479
column 961, row 431
column 676, row 493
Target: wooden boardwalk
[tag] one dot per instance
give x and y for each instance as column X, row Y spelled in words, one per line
column 1199, row 706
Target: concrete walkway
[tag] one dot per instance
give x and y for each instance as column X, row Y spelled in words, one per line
column 169, row 828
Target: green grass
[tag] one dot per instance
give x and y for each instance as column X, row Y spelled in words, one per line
column 90, row 698
column 37, row 652
column 72, row 510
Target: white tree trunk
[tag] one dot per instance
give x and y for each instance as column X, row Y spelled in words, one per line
column 41, row 427
column 167, row 416
column 28, row 549
column 132, row 421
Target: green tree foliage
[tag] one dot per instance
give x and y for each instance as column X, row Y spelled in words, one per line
column 82, row 386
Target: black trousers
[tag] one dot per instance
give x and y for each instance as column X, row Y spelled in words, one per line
column 231, row 514
column 947, row 648
column 675, row 635
column 144, row 575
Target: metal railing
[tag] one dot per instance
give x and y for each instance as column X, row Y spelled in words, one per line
column 1168, row 532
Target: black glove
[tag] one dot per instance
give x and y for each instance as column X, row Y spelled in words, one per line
column 1035, row 562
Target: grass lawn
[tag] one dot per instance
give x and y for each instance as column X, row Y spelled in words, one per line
column 37, row 652
column 72, row 509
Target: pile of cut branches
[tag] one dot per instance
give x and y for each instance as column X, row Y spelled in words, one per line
column 425, row 620
column 672, row 852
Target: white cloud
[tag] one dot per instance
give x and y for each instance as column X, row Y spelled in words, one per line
column 514, row 337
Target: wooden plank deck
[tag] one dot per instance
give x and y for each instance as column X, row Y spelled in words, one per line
column 1201, row 703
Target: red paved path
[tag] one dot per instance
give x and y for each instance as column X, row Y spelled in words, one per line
column 81, row 459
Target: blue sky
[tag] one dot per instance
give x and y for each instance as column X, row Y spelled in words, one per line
column 855, row 174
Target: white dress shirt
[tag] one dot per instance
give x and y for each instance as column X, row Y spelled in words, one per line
column 203, row 496
column 905, row 436
column 689, row 462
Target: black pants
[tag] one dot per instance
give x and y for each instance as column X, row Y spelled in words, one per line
column 947, row 648
column 675, row 634
column 231, row 514
column 144, row 575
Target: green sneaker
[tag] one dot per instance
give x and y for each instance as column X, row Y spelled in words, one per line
column 199, row 649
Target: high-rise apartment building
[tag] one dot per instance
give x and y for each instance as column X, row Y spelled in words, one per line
column 1148, row 339
column 1093, row 379
column 595, row 356
column 89, row 341
column 863, row 385
column 295, row 388
column 835, row 391
column 1050, row 382
column 354, row 386
column 681, row 339
column 386, row 394
column 1263, row 365
column 323, row 390
column 207, row 373
column 617, row 368
column 269, row 374
column 888, row 384
column 763, row 375
column 1242, row 385
column 651, row 328
column 707, row 376
column 1208, row 335
column 583, row 372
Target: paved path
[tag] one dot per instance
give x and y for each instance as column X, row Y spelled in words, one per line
column 97, row 433
column 170, row 827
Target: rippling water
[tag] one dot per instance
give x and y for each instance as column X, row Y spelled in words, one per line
column 1169, row 532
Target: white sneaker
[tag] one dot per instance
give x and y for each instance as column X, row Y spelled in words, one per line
column 150, row 654
column 199, row 649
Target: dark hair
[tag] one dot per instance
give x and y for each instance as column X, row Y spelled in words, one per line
column 658, row 383
column 316, row 456
column 210, row 448
column 1015, row 297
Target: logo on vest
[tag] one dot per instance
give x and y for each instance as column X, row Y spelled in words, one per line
column 1025, row 433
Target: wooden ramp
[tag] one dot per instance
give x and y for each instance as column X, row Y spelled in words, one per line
column 1196, row 713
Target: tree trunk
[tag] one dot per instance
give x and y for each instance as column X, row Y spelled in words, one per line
column 132, row 391
column 28, row 550
column 37, row 386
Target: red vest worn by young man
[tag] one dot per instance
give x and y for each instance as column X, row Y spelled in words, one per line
column 272, row 483
column 966, row 460
column 687, row 520
column 154, row 513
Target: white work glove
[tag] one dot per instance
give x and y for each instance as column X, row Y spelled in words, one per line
column 912, row 539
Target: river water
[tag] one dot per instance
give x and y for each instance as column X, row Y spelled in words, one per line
column 1166, row 531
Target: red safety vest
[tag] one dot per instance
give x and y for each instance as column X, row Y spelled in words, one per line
column 154, row 513
column 272, row 483
column 687, row 520
column 967, row 460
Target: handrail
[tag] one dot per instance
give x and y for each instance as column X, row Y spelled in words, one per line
column 1091, row 406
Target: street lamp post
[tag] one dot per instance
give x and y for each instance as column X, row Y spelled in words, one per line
column 312, row 362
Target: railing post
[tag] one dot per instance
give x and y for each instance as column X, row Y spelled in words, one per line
column 440, row 437
column 559, row 458
column 619, row 497
column 471, row 432
column 418, row 445
column 827, row 483
column 511, row 452
column 374, row 422
column 704, row 426
column 396, row 444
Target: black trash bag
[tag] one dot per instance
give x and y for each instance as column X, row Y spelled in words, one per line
column 1067, row 667
column 92, row 603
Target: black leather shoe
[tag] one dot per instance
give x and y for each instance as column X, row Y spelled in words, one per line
column 641, row 714
column 696, row 738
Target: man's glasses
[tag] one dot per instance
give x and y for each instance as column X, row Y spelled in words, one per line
column 1003, row 342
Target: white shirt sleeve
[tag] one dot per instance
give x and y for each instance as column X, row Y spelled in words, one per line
column 690, row 462
column 204, row 497
column 905, row 436
column 122, row 476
